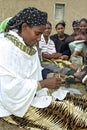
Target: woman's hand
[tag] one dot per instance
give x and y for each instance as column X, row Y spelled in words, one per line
column 51, row 83
column 64, row 57
column 51, row 56
column 80, row 37
column 56, row 55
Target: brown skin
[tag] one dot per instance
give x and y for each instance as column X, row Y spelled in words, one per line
column 81, row 36
column 51, row 56
column 83, row 27
column 51, row 83
column 60, row 31
column 31, row 36
column 46, row 34
column 75, row 28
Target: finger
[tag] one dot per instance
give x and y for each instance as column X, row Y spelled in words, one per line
column 58, row 79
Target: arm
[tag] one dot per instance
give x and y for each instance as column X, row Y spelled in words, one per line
column 51, row 56
column 69, row 39
column 17, row 93
column 65, row 50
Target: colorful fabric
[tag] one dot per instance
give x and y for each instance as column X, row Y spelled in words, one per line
column 29, row 50
column 68, row 114
column 58, row 62
column 4, row 24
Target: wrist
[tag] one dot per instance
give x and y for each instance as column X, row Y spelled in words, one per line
column 42, row 84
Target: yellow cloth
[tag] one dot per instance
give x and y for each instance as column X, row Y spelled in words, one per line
column 59, row 62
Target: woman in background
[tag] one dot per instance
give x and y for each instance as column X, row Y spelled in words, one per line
column 59, row 40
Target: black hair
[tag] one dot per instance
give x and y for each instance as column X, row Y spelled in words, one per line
column 60, row 23
column 75, row 22
column 83, row 19
column 31, row 16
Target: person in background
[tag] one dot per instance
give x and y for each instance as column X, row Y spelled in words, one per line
column 59, row 40
column 75, row 26
column 24, row 98
column 78, row 43
column 47, row 45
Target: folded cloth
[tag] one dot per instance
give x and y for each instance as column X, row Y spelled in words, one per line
column 61, row 93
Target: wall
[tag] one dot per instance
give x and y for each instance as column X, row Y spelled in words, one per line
column 75, row 9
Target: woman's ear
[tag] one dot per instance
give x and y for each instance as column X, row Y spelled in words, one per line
column 24, row 26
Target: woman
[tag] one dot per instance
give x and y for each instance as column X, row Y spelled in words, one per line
column 75, row 26
column 20, row 78
column 78, row 43
column 59, row 40
column 48, row 50
column 47, row 45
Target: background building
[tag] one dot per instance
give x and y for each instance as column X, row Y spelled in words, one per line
column 67, row 10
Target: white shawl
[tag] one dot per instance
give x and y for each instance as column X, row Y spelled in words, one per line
column 19, row 73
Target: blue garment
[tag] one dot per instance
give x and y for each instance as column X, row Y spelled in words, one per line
column 45, row 71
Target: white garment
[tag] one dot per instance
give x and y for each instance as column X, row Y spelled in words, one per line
column 19, row 73
column 47, row 47
column 79, row 46
column 19, row 76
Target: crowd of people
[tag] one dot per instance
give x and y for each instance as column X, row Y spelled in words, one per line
column 33, row 62
column 62, row 52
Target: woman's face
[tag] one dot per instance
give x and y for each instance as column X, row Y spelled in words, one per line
column 47, row 30
column 75, row 27
column 83, row 27
column 31, row 36
column 60, row 30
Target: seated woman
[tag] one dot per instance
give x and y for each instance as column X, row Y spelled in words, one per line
column 59, row 40
column 24, row 97
column 78, row 43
